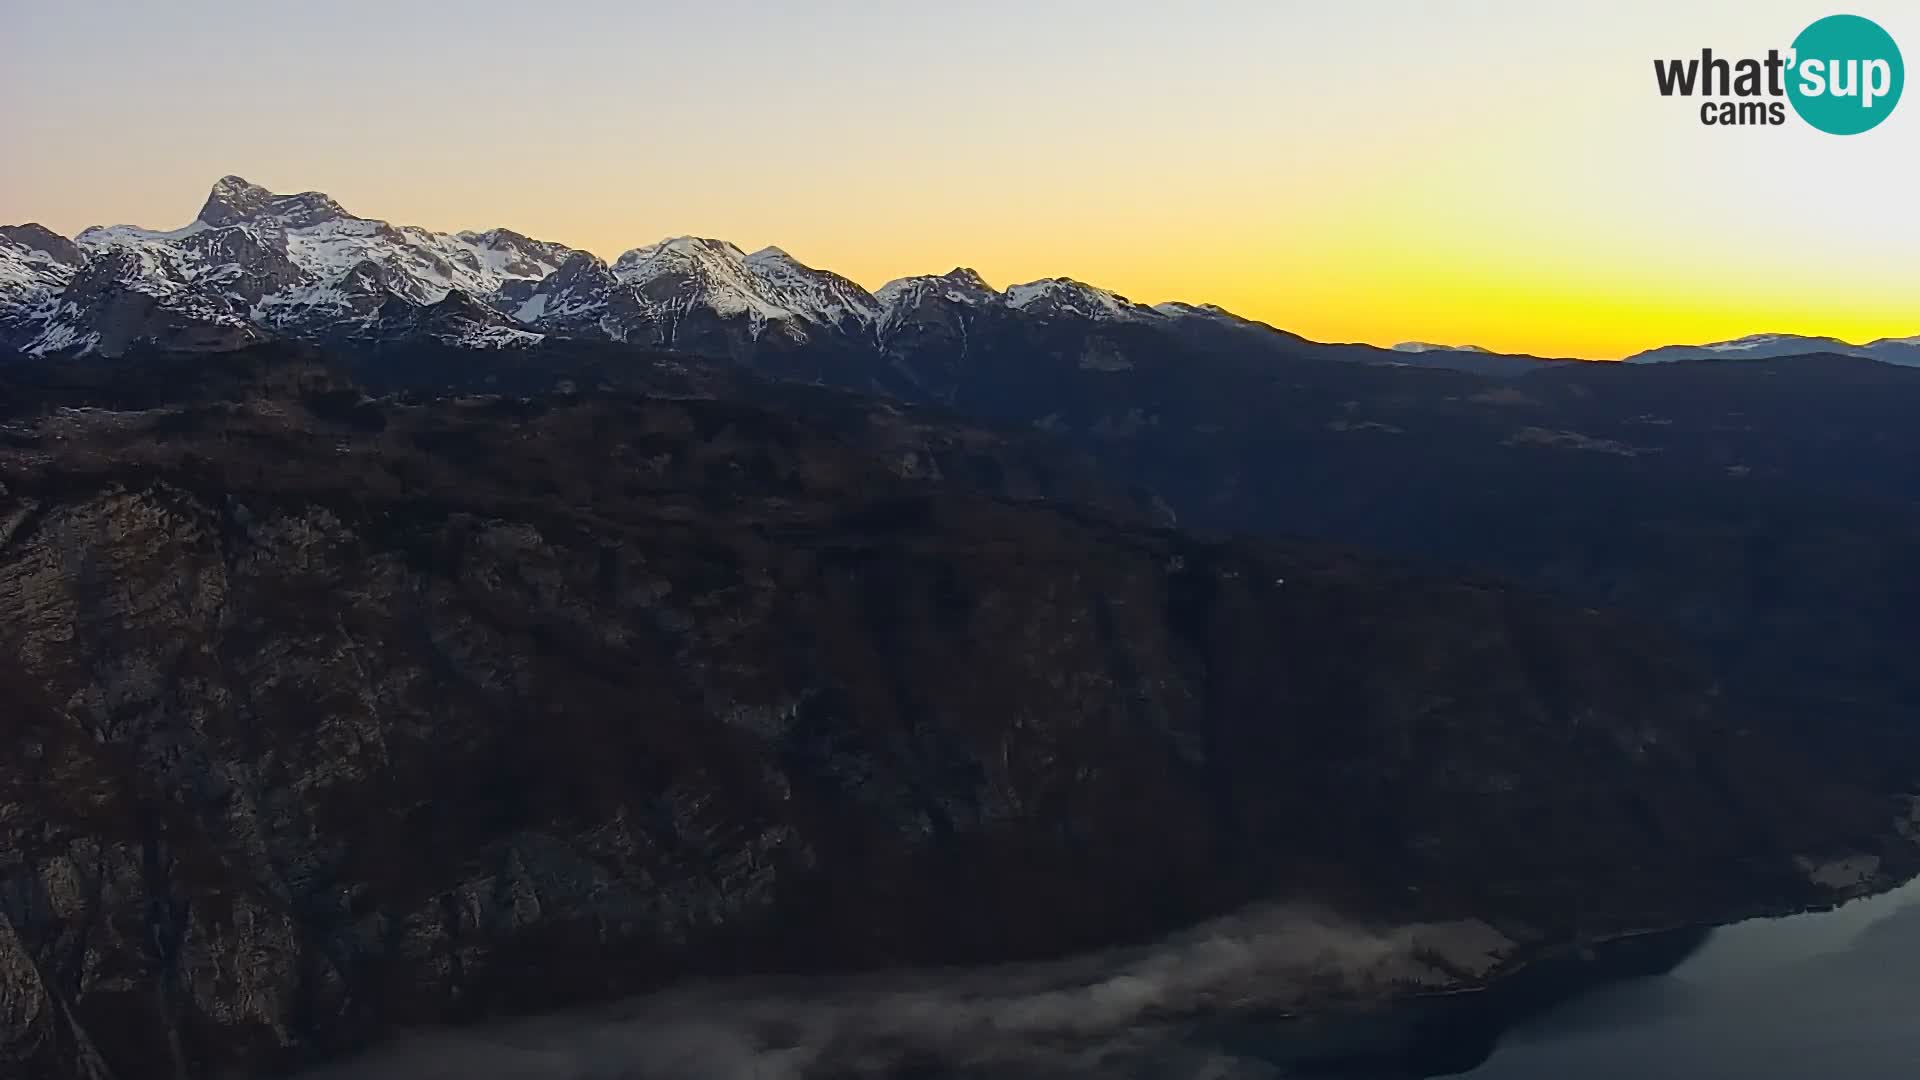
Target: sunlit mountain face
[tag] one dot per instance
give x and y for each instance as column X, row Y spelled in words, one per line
column 254, row 266
column 421, row 630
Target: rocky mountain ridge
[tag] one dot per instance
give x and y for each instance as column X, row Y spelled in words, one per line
column 254, row 265
column 1902, row 351
column 336, row 716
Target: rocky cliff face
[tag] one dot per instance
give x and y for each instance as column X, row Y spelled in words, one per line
column 330, row 716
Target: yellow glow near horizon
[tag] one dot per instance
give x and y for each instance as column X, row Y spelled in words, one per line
column 1485, row 173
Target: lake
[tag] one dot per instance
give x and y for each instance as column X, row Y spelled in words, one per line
column 1827, row 994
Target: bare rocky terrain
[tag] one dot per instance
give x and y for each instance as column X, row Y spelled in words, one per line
column 331, row 716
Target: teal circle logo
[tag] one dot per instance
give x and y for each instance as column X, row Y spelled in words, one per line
column 1846, row 75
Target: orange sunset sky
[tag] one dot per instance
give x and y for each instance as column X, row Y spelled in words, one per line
column 1502, row 174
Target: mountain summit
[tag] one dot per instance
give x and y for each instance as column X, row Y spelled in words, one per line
column 1428, row 347
column 233, row 200
column 1903, row 351
column 254, row 264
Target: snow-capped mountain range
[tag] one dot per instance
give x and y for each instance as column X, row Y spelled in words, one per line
column 254, row 264
column 1903, row 351
column 1427, row 347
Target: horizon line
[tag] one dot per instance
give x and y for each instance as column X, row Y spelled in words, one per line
column 1436, row 343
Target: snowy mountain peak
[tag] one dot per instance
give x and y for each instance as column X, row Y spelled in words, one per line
column 493, row 238
column 962, row 285
column 1751, row 341
column 254, row 261
column 1177, row 309
column 232, row 200
column 36, row 265
column 901, row 300
column 515, row 255
column 235, row 201
column 1751, row 347
column 966, row 277
column 816, row 295
column 578, row 269
column 1427, row 347
column 34, row 237
column 1065, row 296
column 688, row 272
column 675, row 251
column 1903, row 351
column 707, row 262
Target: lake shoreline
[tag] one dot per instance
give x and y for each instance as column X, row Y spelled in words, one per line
column 1456, row 1030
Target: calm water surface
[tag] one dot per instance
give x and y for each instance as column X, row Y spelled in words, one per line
column 1831, row 994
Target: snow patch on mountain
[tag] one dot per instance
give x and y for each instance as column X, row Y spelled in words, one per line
column 33, row 273
column 817, row 295
column 961, row 285
column 494, row 337
column 686, row 271
column 1174, row 309
column 900, row 298
column 327, row 243
column 532, row 309
column 576, row 296
column 297, row 264
column 304, row 266
column 424, row 265
column 1751, row 347
column 1745, row 344
column 63, row 337
column 133, row 236
column 769, row 286
column 254, row 263
column 1052, row 297
column 1427, row 347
